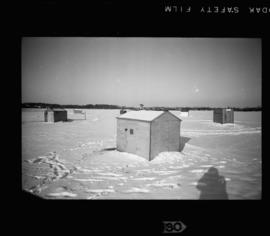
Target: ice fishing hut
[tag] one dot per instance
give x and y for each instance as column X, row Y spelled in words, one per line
column 184, row 112
column 223, row 115
column 54, row 115
column 147, row 133
column 123, row 111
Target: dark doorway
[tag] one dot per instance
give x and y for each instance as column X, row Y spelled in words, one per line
column 46, row 116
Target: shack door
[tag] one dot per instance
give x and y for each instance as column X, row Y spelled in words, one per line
column 229, row 116
column 167, row 137
column 131, row 140
column 46, row 116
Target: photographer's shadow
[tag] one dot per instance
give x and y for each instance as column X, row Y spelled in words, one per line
column 212, row 185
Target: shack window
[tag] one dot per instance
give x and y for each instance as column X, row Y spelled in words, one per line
column 126, row 129
column 131, row 131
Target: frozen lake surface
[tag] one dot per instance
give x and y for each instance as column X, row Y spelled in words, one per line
column 77, row 160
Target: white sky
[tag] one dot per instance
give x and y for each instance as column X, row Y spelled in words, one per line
column 151, row 71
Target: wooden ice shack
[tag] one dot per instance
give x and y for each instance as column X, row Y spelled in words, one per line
column 54, row 115
column 147, row 133
column 223, row 115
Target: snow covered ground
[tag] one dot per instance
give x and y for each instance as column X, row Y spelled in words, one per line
column 77, row 160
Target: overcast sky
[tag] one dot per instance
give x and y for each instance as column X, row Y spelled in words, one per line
column 151, row 71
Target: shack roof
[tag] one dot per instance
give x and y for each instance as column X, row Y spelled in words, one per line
column 58, row 109
column 144, row 115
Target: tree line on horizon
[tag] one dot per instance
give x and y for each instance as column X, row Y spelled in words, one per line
column 108, row 106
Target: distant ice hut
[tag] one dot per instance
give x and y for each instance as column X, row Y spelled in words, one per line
column 223, row 115
column 147, row 133
column 122, row 111
column 54, row 115
column 184, row 112
column 43, row 115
